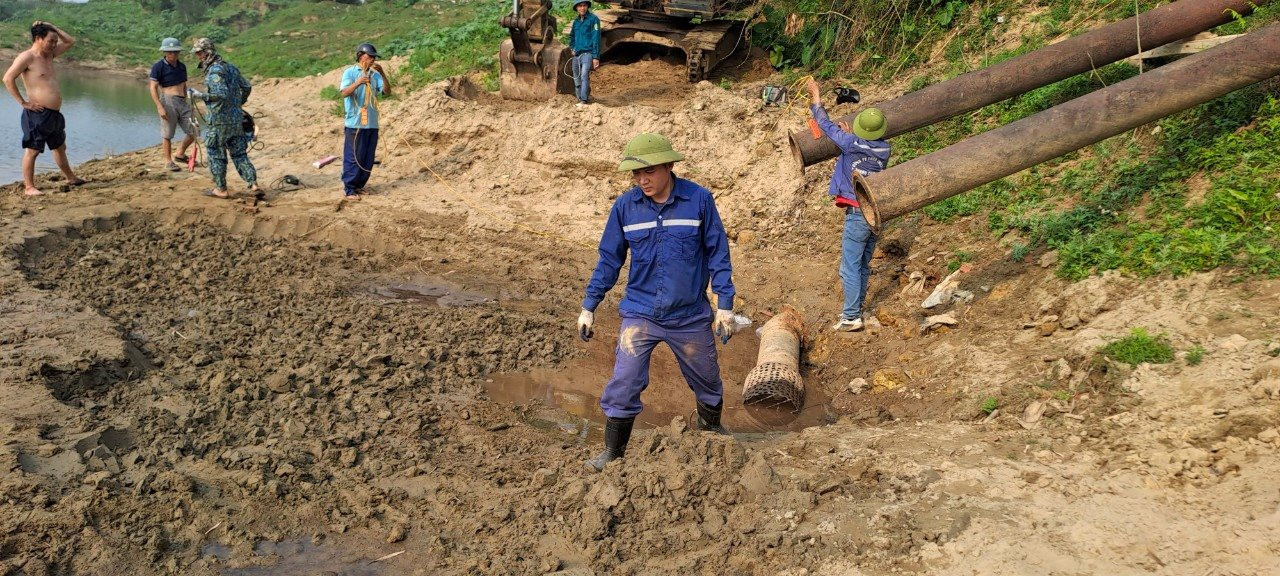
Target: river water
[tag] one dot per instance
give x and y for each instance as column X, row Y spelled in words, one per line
column 107, row 114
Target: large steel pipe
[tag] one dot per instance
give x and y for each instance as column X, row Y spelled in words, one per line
column 1069, row 126
column 1042, row 67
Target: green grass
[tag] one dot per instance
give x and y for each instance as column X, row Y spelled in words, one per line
column 958, row 258
column 290, row 38
column 331, row 92
column 1139, row 347
column 989, row 404
column 1195, row 355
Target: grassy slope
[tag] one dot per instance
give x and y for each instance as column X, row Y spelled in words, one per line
column 291, row 38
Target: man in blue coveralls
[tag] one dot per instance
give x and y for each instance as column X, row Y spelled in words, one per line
column 584, row 41
column 678, row 245
column 362, row 85
column 864, row 151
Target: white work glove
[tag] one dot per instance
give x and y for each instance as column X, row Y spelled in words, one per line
column 193, row 93
column 585, row 322
column 723, row 325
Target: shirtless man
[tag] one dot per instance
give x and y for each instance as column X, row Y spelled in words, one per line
column 42, row 123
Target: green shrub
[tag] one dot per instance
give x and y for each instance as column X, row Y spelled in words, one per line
column 1139, row 347
column 1195, row 355
column 989, row 405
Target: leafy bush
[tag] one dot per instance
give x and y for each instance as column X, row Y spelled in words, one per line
column 1139, row 347
column 1195, row 355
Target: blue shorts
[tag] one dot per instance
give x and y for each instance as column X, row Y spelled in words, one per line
column 44, row 128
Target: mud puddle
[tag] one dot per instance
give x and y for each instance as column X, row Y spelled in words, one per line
column 424, row 292
column 573, row 392
column 301, row 557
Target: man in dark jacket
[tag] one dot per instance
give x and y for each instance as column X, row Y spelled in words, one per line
column 584, row 41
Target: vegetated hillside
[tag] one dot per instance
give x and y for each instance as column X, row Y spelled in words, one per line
column 1195, row 191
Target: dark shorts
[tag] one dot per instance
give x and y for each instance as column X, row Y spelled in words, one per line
column 44, row 128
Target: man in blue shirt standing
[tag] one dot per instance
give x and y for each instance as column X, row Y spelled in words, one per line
column 169, row 92
column 864, row 151
column 584, row 42
column 362, row 85
column 678, row 246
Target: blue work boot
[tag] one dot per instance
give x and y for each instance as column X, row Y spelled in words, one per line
column 617, row 432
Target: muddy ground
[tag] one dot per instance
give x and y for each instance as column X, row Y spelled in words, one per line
column 303, row 386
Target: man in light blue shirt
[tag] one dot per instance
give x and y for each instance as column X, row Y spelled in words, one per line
column 362, row 85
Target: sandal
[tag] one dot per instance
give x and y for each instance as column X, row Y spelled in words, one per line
column 210, row 193
column 180, row 158
column 78, row 182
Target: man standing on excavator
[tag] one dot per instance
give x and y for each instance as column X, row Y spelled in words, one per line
column 678, row 246
column 584, row 42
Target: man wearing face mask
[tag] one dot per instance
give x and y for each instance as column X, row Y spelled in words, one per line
column 672, row 230
column 224, row 128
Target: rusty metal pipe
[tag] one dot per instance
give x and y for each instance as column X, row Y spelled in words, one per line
column 1088, row 51
column 1070, row 126
column 776, row 376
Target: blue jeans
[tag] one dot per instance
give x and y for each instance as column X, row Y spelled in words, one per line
column 695, row 351
column 358, row 147
column 582, row 75
column 856, row 247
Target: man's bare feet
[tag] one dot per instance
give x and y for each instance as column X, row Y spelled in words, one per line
column 32, row 191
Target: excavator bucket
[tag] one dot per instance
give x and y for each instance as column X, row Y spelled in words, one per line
column 533, row 64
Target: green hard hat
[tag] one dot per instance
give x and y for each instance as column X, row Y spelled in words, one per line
column 170, row 45
column 647, row 150
column 869, row 124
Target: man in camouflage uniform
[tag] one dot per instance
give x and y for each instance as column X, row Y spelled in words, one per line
column 223, row 131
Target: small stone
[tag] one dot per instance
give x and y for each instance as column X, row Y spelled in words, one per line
column 397, row 534
column 1266, row 370
column 1049, row 259
column 858, row 385
column 1233, row 343
column 888, row 379
column 940, row 320
column 1047, row 328
column 348, row 457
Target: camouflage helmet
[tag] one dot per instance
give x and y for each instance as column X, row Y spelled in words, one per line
column 648, row 149
column 203, row 45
